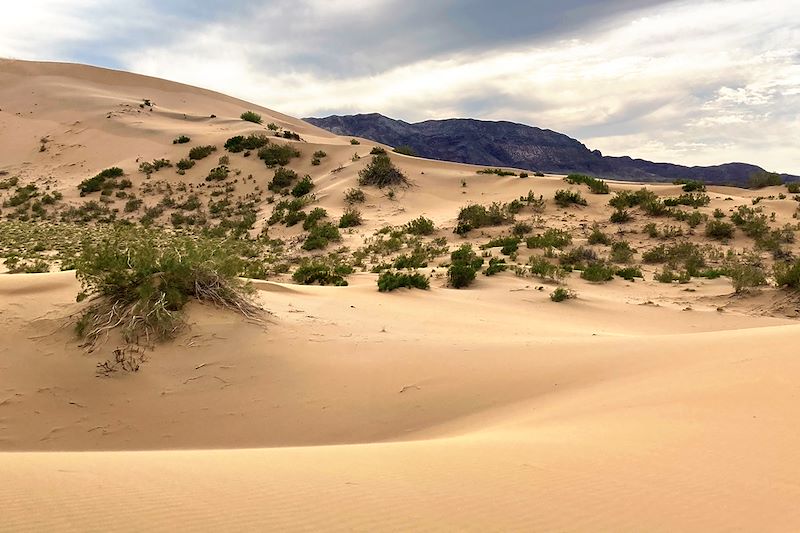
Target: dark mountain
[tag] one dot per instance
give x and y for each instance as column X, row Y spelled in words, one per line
column 508, row 144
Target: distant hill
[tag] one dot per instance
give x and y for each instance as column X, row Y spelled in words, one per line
column 509, row 144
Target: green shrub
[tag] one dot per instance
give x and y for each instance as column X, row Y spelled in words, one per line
column 251, row 116
column 464, row 265
column 566, row 198
column 596, row 185
column 303, row 187
column 317, row 271
column 282, row 178
column 148, row 168
column 691, row 185
column 277, row 154
column 496, row 265
column 354, row 196
column 561, row 294
column 551, row 238
column 620, row 216
column 350, row 218
column 497, row 172
column 688, row 199
column 354, row 142
column 542, row 268
column 787, row 274
column 476, row 216
column 286, row 134
column 142, row 279
column 181, row 139
column 668, row 275
column 627, row 199
column 201, row 152
column 598, row 237
column 239, row 143
column 629, row 273
column 621, row 252
column 521, row 228
column 95, row 183
column 598, row 272
column 218, row 173
column 577, row 258
column 381, row 172
column 405, row 150
column 185, row 164
column 719, row 230
column 794, row 187
column 420, row 226
column 389, row 281
column 320, row 235
column 745, row 274
column 314, row 217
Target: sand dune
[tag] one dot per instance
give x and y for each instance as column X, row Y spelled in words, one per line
column 638, row 406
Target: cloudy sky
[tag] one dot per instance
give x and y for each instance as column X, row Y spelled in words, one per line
column 693, row 82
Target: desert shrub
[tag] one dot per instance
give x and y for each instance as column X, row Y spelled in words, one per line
column 621, row 252
column 476, row 216
column 598, row 237
column 496, row 265
column 22, row 195
column 561, row 294
column 578, row 258
column 185, row 164
column 201, row 152
column 148, row 168
column 389, row 281
column 497, row 172
column 691, row 185
column 787, row 274
column 761, row 179
column 318, row 271
column 566, row 198
column 181, row 139
column 523, row 175
column 420, row 226
column 620, row 216
column 745, row 274
column 277, row 154
column 718, row 213
column 405, row 150
column 350, row 218
column 668, row 275
column 314, row 217
column 598, row 272
column 140, row 280
column 551, row 238
column 251, row 116
column 133, row 204
column 508, row 245
column 354, row 142
column 95, row 183
column 9, row 182
column 354, row 196
column 719, row 230
column 191, row 203
column 320, row 235
column 464, row 265
column 286, row 134
column 688, row 199
column 282, row 178
column 686, row 254
column 629, row 273
column 218, row 173
column 542, row 268
column 521, row 228
column 377, row 150
column 627, row 199
column 596, row 185
column 381, row 172
column 239, row 143
column 793, row 187
column 303, row 187
column 416, row 259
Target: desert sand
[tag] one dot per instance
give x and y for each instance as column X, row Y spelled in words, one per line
column 635, row 407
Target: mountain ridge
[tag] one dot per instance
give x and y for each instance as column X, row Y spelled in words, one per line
column 510, row 144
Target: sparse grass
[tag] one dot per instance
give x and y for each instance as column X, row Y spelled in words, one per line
column 497, row 172
column 354, row 196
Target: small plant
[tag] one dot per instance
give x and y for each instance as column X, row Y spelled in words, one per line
column 181, row 139
column 719, row 230
column 251, row 116
column 621, row 252
column 354, row 196
column 201, row 152
column 745, row 274
column 350, row 218
column 314, row 217
column 320, row 235
column 551, row 238
column 464, row 265
column 381, row 172
column 476, row 216
column 377, row 150
column 787, row 274
column 596, row 185
column 355, row 142
column 691, row 185
column 598, row 272
column 794, row 187
column 303, row 187
column 405, row 150
column 420, row 226
column 218, row 173
column 318, row 271
column 629, row 273
column 240, row 143
column 561, row 294
column 389, row 281
column 598, row 237
column 185, row 164
column 761, row 179
column 620, row 216
column 497, row 172
column 566, row 198
column 95, row 183
column 542, row 268
column 276, row 154
column 282, row 178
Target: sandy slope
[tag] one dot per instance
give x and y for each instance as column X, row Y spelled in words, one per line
column 638, row 406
